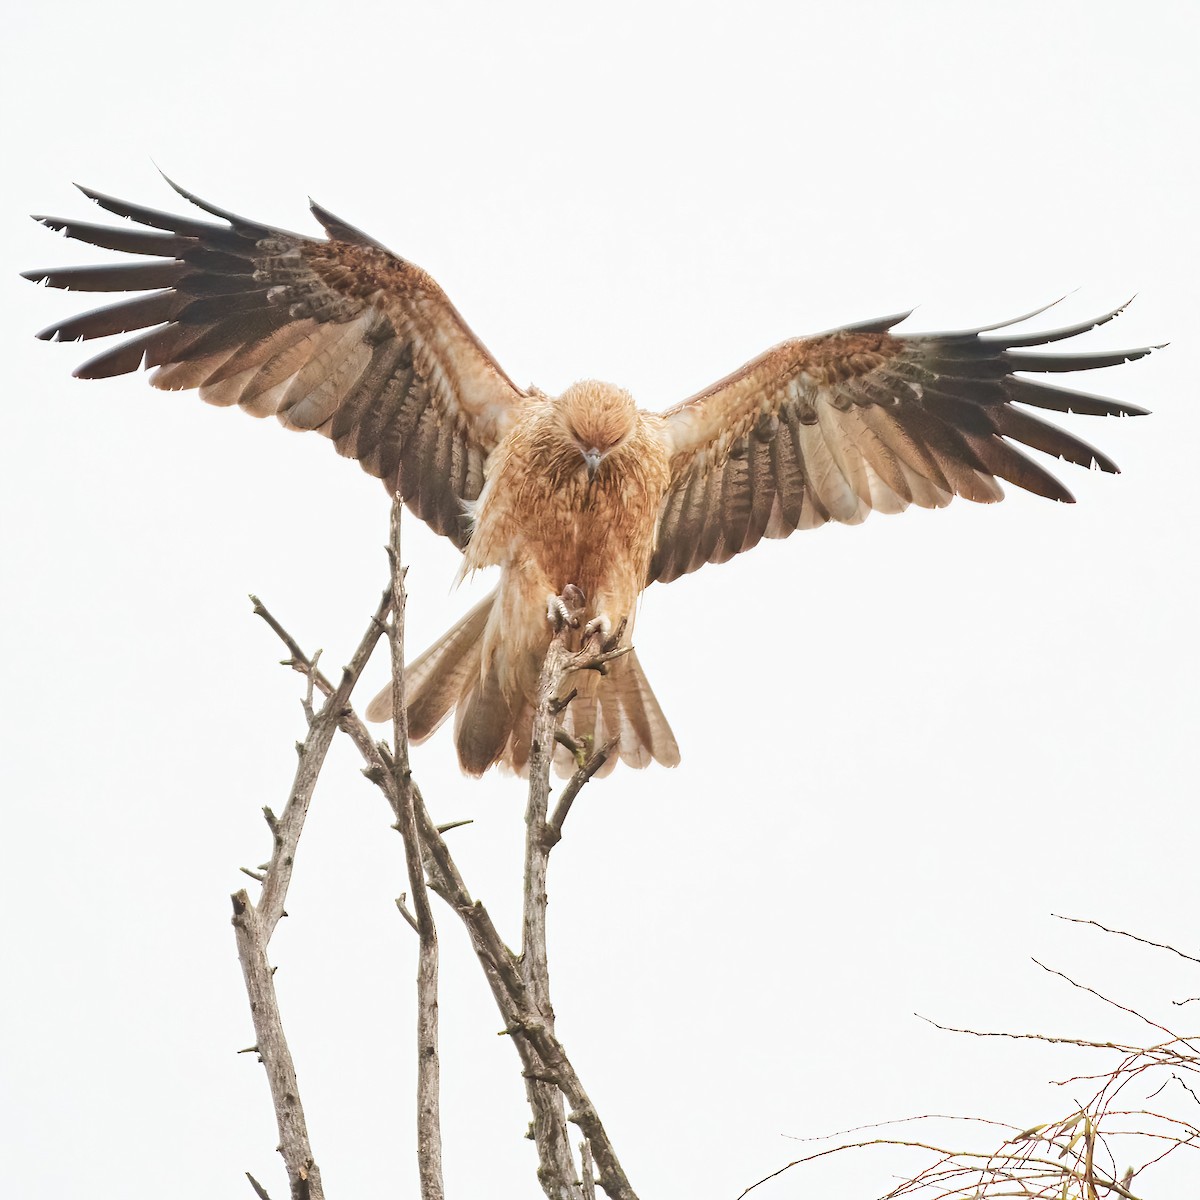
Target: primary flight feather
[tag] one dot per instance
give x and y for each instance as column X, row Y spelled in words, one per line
column 583, row 489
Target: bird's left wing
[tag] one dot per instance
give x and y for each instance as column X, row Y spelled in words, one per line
column 828, row 428
column 340, row 336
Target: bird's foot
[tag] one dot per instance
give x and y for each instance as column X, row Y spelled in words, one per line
column 563, row 611
column 601, row 627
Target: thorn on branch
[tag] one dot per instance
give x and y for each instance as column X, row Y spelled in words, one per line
column 249, row 1050
column 257, row 876
column 259, row 1190
column 403, row 908
column 454, row 825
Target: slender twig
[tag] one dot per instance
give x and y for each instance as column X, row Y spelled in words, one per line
column 1107, row 1000
column 286, row 829
column 254, row 923
column 429, row 1127
column 571, row 789
column 1051, row 1168
column 1125, row 934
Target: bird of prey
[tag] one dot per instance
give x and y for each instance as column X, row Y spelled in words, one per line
column 583, row 490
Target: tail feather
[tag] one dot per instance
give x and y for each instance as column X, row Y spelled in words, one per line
column 621, row 705
column 642, row 712
column 494, row 710
column 484, row 724
column 434, row 681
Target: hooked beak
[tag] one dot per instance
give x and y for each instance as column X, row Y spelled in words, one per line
column 592, row 458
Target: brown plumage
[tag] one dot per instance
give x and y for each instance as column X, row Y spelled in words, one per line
column 343, row 337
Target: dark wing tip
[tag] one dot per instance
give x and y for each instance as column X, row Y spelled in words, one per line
column 876, row 324
column 342, row 231
column 1037, row 312
column 240, row 223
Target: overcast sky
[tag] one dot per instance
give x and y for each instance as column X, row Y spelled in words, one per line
column 904, row 744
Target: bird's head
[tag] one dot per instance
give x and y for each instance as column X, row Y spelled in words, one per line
column 597, row 418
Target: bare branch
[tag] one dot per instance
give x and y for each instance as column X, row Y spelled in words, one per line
column 254, row 924
column 286, row 829
column 1107, row 1000
column 429, row 1128
column 572, row 788
column 557, row 1167
column 539, row 840
column 1131, row 936
column 542, row 1055
column 1028, row 1037
column 304, row 1177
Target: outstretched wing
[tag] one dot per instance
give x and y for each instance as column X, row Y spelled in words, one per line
column 828, row 428
column 340, row 336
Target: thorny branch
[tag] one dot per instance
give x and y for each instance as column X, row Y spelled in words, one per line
column 254, row 923
column 548, row 1072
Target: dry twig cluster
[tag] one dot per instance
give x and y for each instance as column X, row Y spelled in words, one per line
column 1143, row 1109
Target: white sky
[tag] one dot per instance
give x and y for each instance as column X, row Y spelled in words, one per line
column 904, row 744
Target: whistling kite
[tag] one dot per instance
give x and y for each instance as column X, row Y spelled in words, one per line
column 583, row 489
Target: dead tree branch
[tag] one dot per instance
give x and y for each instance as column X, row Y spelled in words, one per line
column 543, row 1058
column 429, row 1126
column 254, row 923
column 571, row 789
column 546, row 1094
column 557, row 1166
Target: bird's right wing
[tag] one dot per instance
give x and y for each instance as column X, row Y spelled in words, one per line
column 340, row 336
column 829, row 428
